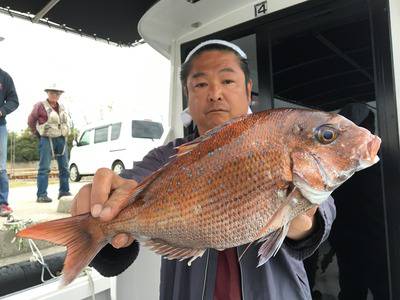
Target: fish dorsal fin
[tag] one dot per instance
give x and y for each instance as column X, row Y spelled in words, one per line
column 185, row 149
column 189, row 146
column 141, row 187
column 173, row 252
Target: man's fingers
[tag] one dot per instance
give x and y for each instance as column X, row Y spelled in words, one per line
column 118, row 200
column 81, row 203
column 122, row 240
column 104, row 181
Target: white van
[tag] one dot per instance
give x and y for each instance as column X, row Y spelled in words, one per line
column 116, row 145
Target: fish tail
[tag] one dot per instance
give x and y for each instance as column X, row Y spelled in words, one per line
column 80, row 234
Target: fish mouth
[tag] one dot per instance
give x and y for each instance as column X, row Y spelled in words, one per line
column 365, row 163
column 372, row 151
column 373, row 146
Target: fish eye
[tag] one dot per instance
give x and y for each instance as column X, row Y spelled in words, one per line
column 326, row 134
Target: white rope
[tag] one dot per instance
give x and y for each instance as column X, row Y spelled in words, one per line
column 88, row 272
column 37, row 256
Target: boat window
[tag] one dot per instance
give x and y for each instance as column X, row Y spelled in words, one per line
column 330, row 67
column 248, row 44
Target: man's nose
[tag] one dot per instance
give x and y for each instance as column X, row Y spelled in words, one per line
column 214, row 92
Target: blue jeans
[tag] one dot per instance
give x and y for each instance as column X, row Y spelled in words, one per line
column 3, row 165
column 45, row 155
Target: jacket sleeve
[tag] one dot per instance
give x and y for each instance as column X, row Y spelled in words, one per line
column 33, row 118
column 11, row 100
column 110, row 261
column 325, row 216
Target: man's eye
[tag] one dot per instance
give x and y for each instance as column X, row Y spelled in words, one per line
column 200, row 85
column 228, row 81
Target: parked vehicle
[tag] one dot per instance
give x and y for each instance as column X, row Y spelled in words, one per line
column 116, row 145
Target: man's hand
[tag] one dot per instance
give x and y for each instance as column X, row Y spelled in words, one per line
column 303, row 225
column 105, row 197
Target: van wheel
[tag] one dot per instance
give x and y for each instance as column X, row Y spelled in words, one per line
column 74, row 175
column 118, row 167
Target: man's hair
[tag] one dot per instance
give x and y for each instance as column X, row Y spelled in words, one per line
column 187, row 66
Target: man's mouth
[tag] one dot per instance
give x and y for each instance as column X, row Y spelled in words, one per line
column 217, row 111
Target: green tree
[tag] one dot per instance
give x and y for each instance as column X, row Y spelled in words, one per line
column 71, row 137
column 25, row 146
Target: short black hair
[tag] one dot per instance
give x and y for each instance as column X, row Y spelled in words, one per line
column 187, row 66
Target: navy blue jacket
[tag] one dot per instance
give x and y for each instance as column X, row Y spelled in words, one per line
column 8, row 96
column 283, row 277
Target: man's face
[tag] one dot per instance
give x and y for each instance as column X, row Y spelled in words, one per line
column 216, row 89
column 53, row 96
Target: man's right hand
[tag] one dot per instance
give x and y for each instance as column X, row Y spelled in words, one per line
column 105, row 197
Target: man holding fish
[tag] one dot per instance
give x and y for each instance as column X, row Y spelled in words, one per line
column 217, row 82
column 235, row 208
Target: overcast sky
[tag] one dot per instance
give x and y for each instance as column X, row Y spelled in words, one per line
column 95, row 75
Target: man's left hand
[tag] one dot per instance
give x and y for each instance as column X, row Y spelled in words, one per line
column 303, row 225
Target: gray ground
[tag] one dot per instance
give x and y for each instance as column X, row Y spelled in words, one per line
column 23, row 201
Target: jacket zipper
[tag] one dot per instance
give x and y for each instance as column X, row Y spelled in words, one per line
column 205, row 274
column 241, row 273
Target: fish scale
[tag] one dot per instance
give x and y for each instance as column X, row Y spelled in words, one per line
column 254, row 199
column 241, row 182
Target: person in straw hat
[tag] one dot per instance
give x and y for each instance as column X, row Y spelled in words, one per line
column 50, row 122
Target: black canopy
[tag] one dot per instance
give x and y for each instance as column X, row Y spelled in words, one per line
column 115, row 20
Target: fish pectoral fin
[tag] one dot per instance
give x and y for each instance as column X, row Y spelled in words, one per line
column 271, row 244
column 173, row 252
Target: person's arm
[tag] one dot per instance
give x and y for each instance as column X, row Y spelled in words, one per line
column 324, row 217
column 34, row 117
column 111, row 261
column 11, row 100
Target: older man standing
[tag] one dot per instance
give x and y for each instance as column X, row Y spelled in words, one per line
column 8, row 103
column 50, row 122
column 215, row 78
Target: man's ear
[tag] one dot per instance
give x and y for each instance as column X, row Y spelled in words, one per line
column 248, row 90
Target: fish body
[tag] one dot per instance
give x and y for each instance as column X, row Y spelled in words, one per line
column 241, row 182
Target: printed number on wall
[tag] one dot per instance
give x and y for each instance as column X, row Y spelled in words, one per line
column 260, row 9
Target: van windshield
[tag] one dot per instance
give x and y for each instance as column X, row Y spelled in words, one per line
column 147, row 129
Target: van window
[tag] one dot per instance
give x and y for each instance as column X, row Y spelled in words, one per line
column 101, row 134
column 115, row 131
column 147, row 129
column 85, row 138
